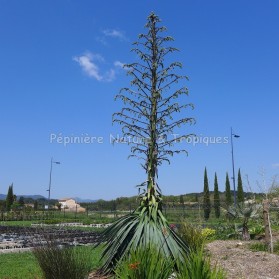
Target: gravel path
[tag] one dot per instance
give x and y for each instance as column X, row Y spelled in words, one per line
column 241, row 263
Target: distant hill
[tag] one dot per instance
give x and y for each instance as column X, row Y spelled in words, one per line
column 34, row 197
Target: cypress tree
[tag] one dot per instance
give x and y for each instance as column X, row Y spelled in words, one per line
column 9, row 198
column 206, row 197
column 240, row 194
column 228, row 192
column 216, row 197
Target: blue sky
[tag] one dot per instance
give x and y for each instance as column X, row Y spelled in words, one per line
column 60, row 70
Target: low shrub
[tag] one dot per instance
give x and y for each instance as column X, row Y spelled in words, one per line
column 208, row 234
column 149, row 263
column 191, row 235
column 256, row 230
column 259, row 246
column 262, row 246
column 87, row 221
column 276, row 247
column 197, row 266
column 144, row 263
column 60, row 263
column 224, row 232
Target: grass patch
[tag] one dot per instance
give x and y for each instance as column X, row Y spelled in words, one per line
column 260, row 246
column 24, row 265
column 17, row 223
column 18, row 266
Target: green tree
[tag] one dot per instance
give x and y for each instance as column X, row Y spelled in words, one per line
column 21, row 201
column 150, row 117
column 228, row 194
column 10, row 198
column 113, row 206
column 181, row 199
column 15, row 206
column 2, row 205
column 58, row 205
column 240, row 194
column 35, row 205
column 206, row 197
column 216, row 197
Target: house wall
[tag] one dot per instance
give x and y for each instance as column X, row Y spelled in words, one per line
column 71, row 206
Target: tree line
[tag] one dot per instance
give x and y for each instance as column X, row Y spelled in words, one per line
column 14, row 203
column 207, row 203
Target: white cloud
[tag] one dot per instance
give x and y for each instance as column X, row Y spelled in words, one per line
column 88, row 63
column 276, row 165
column 113, row 33
column 119, row 64
column 88, row 66
column 110, row 75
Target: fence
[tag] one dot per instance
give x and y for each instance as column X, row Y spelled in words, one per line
column 174, row 213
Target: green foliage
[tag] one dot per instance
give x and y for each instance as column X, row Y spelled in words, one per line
column 191, row 235
column 208, row 233
column 25, row 265
column 16, row 206
column 145, row 226
column 196, row 266
column 181, row 199
column 144, row 262
column 258, row 246
column 21, row 201
column 206, row 197
column 245, row 212
column 19, row 266
column 9, row 198
column 261, row 246
column 2, row 205
column 224, row 232
column 36, row 205
column 276, row 247
column 53, row 221
column 228, row 194
column 149, row 263
column 216, row 198
column 240, row 193
column 61, row 263
column 256, row 229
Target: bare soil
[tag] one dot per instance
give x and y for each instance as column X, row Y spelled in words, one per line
column 240, row 262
